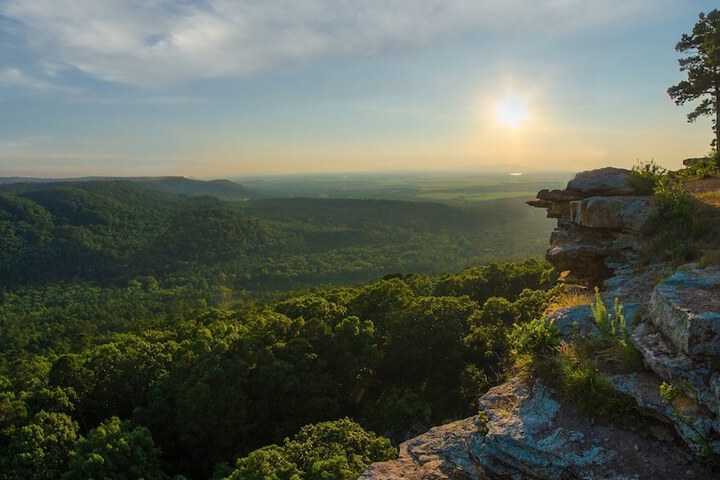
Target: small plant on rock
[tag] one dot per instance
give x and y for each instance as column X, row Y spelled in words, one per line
column 610, row 325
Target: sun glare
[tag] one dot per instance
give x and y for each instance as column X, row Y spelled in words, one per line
column 511, row 111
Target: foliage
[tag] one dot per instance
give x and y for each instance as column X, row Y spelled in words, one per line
column 330, row 450
column 534, row 338
column 701, row 64
column 675, row 205
column 41, row 449
column 668, row 392
column 644, row 176
column 508, row 280
column 702, row 168
column 572, row 366
column 676, row 224
column 571, row 370
column 113, row 231
column 115, row 450
column 609, row 324
column 710, row 257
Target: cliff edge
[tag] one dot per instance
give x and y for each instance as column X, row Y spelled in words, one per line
column 525, row 430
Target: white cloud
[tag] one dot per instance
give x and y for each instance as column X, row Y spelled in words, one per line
column 160, row 42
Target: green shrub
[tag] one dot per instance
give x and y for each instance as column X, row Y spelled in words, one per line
column 675, row 205
column 644, row 176
column 571, row 371
column 533, row 338
column 703, row 168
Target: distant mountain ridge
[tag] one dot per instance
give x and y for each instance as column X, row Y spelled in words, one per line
column 179, row 185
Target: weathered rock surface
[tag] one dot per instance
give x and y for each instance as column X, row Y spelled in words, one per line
column 530, row 435
column 572, row 321
column 608, row 181
column 691, row 420
column 625, row 214
column 580, row 251
column 686, row 309
column 443, row 453
column 695, row 378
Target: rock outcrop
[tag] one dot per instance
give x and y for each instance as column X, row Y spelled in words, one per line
column 600, row 217
column 523, row 431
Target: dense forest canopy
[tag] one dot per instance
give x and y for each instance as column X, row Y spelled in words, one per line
column 114, row 231
column 143, row 334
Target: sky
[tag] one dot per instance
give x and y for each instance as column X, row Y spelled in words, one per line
column 226, row 88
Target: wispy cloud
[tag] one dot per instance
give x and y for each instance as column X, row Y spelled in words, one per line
column 161, row 42
column 14, row 77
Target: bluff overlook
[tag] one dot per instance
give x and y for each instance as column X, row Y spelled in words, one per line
column 664, row 421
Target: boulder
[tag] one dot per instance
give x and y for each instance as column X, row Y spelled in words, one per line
column 608, row 181
column 626, row 214
column 686, row 309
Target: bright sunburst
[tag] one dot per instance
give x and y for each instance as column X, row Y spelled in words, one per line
column 511, row 111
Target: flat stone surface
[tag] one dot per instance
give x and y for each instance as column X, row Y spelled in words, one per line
column 686, row 309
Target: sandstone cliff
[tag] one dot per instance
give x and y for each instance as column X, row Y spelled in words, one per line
column 523, row 430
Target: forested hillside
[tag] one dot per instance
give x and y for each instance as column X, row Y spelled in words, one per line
column 143, row 334
column 113, row 231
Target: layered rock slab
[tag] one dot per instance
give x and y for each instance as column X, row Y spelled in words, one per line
column 686, row 309
column 624, row 214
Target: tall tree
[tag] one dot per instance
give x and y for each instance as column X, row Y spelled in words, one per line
column 702, row 65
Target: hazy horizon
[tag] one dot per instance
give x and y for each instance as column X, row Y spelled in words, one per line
column 474, row 171
column 220, row 89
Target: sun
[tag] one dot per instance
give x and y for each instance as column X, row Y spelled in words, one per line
column 511, row 111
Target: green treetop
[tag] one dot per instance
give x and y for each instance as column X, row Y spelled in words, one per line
column 702, row 64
